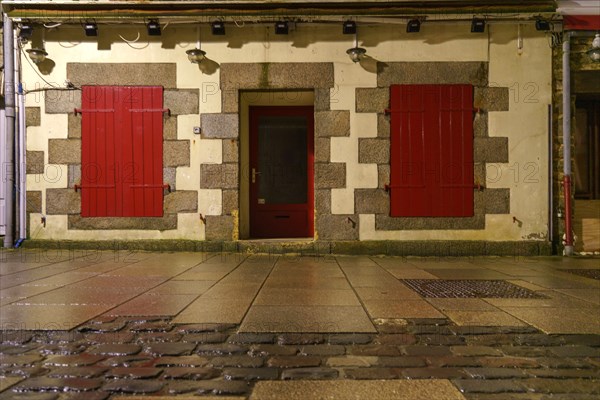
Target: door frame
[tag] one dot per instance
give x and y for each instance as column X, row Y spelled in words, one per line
column 259, row 97
column 255, row 111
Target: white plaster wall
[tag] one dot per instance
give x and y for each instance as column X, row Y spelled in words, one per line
column 524, row 124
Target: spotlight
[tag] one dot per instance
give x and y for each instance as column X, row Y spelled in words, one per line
column 281, row 28
column 25, row 32
column 37, row 55
column 349, row 28
column 90, row 28
column 153, row 28
column 477, row 25
column 218, row 28
column 413, row 26
column 356, row 53
column 542, row 25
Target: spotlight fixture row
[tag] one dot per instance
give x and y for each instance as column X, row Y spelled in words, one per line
column 282, row 28
column 90, row 28
column 413, row 26
column 349, row 28
column 153, row 28
column 477, row 25
column 218, row 28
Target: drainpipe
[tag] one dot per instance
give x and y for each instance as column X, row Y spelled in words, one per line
column 21, row 162
column 8, row 178
column 566, row 80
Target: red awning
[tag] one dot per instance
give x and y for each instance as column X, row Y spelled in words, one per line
column 582, row 22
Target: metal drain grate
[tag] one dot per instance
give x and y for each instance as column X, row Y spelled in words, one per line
column 587, row 273
column 469, row 288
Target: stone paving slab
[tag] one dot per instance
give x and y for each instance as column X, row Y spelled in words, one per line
column 376, row 389
column 307, row 319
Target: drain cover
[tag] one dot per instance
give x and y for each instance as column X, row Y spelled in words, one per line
column 469, row 288
column 588, row 273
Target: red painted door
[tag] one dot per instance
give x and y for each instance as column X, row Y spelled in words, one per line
column 281, row 172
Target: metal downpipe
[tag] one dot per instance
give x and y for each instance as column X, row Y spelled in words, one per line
column 8, row 178
column 566, row 81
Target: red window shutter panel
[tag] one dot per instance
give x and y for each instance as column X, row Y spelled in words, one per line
column 431, row 150
column 127, row 147
column 98, row 179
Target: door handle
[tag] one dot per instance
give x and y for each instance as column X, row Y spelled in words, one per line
column 254, row 173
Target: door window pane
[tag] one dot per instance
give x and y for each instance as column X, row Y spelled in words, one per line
column 282, row 158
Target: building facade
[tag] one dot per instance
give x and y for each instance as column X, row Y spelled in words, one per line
column 433, row 142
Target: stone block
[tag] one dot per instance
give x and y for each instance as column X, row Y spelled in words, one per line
column 374, row 100
column 74, row 126
column 337, row 227
column 170, row 128
column 496, row 201
column 330, row 175
column 182, row 101
column 230, row 201
column 479, row 174
column 181, row 201
column 387, row 223
column 64, row 151
column 231, row 151
column 512, row 248
column 219, row 227
column 371, row 201
column 383, row 125
column 32, row 116
column 219, row 176
column 220, row 126
column 373, row 151
column 62, row 202
column 480, row 125
column 35, row 162
column 473, row 72
column 276, row 75
column 383, row 175
column 322, row 150
column 176, row 153
column 123, row 74
column 491, row 98
column 490, row 149
column 332, row 123
column 230, row 99
column 34, row 201
column 73, row 175
column 323, row 201
column 170, row 177
column 61, row 101
column 166, row 222
column 322, row 99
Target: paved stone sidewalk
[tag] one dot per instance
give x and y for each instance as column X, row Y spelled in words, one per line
column 181, row 325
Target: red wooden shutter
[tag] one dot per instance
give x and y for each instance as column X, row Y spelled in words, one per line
column 431, row 150
column 121, row 151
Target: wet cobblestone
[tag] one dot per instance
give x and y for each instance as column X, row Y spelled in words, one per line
column 160, row 358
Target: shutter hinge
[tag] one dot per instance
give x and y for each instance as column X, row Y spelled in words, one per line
column 99, row 110
column 162, row 110
column 479, row 187
column 387, row 188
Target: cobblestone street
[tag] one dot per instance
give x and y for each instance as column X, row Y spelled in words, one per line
column 110, row 325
